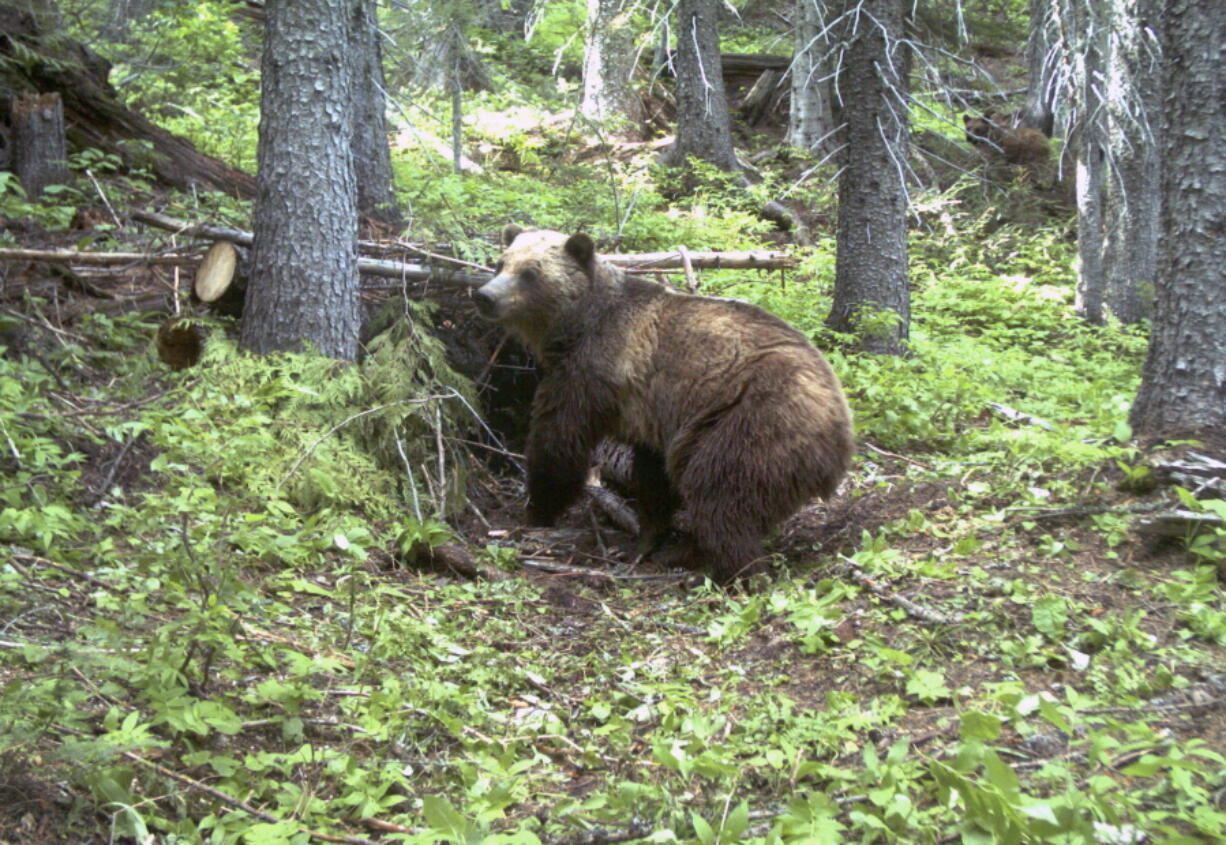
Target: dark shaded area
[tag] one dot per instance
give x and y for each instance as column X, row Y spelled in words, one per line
column 504, row 372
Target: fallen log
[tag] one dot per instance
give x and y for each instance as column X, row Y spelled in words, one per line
column 1021, row 417
column 367, row 266
column 763, row 259
column 97, row 259
column 1190, row 469
column 184, row 227
column 38, row 58
column 221, row 279
column 740, row 69
column 765, row 98
column 1179, row 524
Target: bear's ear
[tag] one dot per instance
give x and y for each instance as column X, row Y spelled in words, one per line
column 510, row 232
column 990, row 114
column 967, row 120
column 581, row 248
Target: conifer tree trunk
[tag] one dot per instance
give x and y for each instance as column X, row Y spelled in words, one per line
column 609, row 60
column 1133, row 198
column 1090, row 151
column 811, row 118
column 372, row 161
column 871, row 294
column 704, row 127
column 1183, row 387
column 1041, row 59
column 304, row 280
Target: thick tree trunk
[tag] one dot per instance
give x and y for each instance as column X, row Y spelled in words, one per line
column 372, row 160
column 39, row 152
column 1133, row 198
column 304, row 277
column 811, row 118
column 1183, row 387
column 704, row 127
column 1042, row 60
column 41, row 59
column 871, row 295
column 610, row 57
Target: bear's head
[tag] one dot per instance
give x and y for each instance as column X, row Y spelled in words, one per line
column 981, row 131
column 540, row 276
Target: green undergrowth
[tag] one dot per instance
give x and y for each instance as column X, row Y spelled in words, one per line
column 210, row 630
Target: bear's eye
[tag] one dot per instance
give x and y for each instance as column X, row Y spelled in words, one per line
column 529, row 275
column 498, row 267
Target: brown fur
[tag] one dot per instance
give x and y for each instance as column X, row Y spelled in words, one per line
column 1018, row 145
column 734, row 418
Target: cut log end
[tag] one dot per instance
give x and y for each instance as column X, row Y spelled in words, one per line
column 216, row 271
column 179, row 343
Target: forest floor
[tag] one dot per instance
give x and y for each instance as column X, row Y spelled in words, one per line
column 946, row 650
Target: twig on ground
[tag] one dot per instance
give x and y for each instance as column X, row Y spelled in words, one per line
column 94, row 496
column 254, row 635
column 75, row 573
column 105, row 200
column 1015, row 416
column 1087, row 510
column 560, row 569
column 388, row 827
column 913, row 609
column 879, row 451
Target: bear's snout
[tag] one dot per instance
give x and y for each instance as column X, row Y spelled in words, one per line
column 492, row 296
column 487, row 305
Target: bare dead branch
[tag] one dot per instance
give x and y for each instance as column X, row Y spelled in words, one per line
column 913, row 609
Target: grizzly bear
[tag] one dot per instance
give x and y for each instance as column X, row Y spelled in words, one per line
column 1018, row 145
column 733, row 418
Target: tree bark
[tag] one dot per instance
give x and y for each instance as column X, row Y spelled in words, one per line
column 610, row 57
column 871, row 294
column 811, row 118
column 372, row 160
column 704, row 127
column 1089, row 142
column 1132, row 200
column 304, row 277
column 1183, row 386
column 39, row 151
column 1042, row 60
